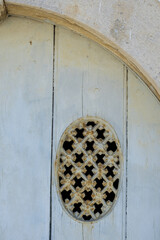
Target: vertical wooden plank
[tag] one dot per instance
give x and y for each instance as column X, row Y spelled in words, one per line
column 25, row 128
column 88, row 81
column 67, row 108
column 143, row 162
column 103, row 96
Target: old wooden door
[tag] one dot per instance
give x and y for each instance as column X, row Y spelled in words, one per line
column 50, row 78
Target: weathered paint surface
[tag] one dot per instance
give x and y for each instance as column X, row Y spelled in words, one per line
column 143, row 211
column 25, row 128
column 87, row 80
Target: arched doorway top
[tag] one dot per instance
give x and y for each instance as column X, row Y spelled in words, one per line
column 42, row 14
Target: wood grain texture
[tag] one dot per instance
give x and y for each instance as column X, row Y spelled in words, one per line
column 25, row 128
column 67, row 107
column 143, row 211
column 88, row 81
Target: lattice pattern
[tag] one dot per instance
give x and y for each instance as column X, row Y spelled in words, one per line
column 88, row 163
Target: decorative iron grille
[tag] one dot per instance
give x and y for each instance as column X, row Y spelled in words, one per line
column 88, row 168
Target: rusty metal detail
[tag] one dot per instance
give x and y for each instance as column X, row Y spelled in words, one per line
column 88, row 168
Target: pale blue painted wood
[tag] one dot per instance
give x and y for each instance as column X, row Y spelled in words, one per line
column 25, row 128
column 103, row 96
column 143, row 206
column 67, row 108
column 88, row 81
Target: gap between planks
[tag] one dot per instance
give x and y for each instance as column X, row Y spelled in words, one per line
column 51, row 166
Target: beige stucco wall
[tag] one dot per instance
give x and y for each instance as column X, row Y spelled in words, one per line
column 133, row 25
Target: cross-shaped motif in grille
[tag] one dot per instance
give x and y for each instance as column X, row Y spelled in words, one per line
column 88, row 158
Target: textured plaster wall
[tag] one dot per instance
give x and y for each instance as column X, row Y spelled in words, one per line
column 134, row 25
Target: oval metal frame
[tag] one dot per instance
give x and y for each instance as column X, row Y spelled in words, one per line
column 91, row 118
